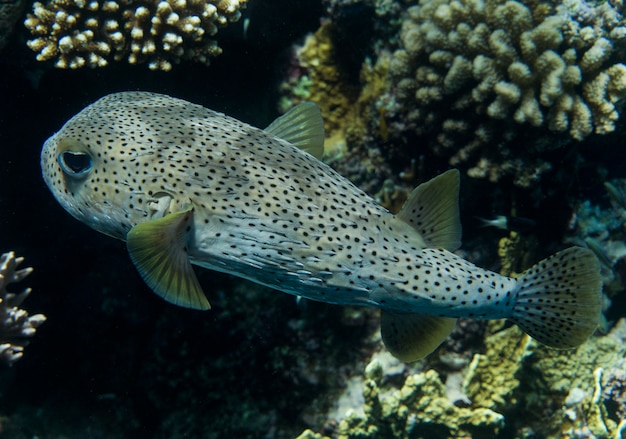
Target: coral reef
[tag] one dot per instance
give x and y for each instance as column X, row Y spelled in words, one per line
column 78, row 33
column 601, row 226
column 391, row 196
column 419, row 409
column 315, row 75
column 495, row 89
column 475, row 75
column 16, row 326
column 516, row 375
column 579, row 393
column 516, row 253
column 318, row 73
column 490, row 380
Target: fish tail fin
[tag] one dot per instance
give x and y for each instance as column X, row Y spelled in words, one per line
column 559, row 300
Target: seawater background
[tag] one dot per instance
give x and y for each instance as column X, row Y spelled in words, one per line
column 115, row 361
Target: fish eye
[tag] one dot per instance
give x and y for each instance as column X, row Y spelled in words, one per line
column 75, row 164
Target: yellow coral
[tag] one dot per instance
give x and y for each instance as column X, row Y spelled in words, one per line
column 344, row 105
column 420, row 405
column 491, row 378
column 329, row 88
column 309, row 434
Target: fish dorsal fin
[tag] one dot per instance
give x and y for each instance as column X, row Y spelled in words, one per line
column 411, row 337
column 159, row 251
column 303, row 127
column 433, row 210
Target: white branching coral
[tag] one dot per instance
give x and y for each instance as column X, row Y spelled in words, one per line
column 78, row 33
column 16, row 326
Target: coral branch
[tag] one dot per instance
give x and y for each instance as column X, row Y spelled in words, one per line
column 92, row 33
column 16, row 326
column 504, row 69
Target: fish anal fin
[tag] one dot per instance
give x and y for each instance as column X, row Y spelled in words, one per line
column 433, row 210
column 411, row 337
column 303, row 127
column 159, row 251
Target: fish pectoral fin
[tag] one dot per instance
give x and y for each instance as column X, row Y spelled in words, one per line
column 433, row 210
column 303, row 127
column 411, row 337
column 159, row 251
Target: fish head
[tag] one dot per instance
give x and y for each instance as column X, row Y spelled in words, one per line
column 104, row 166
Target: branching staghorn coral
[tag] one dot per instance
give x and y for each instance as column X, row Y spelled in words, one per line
column 477, row 73
column 16, row 326
column 78, row 33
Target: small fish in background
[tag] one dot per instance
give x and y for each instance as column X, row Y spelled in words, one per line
column 245, row 26
column 511, row 223
column 184, row 185
column 615, row 194
column 597, row 250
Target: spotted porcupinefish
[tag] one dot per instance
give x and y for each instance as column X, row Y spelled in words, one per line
column 185, row 185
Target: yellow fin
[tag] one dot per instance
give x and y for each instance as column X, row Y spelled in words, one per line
column 433, row 210
column 158, row 250
column 411, row 337
column 303, row 127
